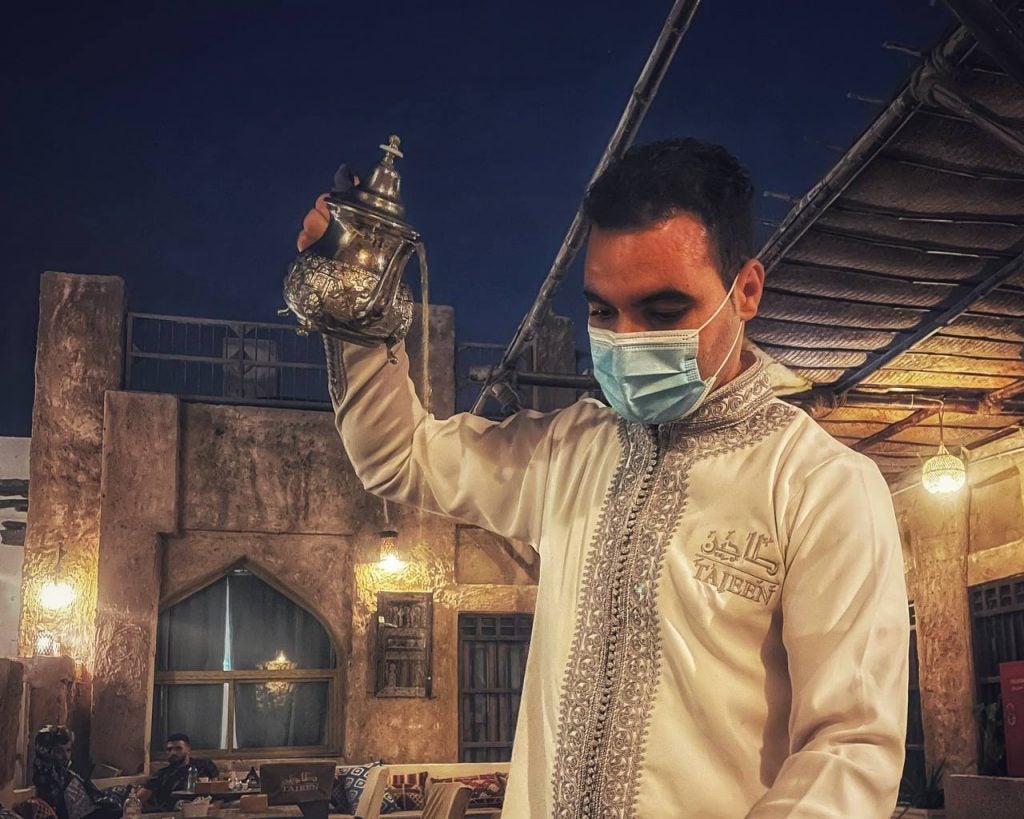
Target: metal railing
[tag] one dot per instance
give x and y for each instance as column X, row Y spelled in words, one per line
column 475, row 361
column 225, row 361
column 260, row 363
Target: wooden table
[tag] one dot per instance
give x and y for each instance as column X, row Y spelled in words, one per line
column 273, row 812
column 217, row 796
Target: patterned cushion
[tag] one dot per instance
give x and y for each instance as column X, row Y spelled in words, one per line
column 117, row 794
column 35, row 808
column 487, row 790
column 405, row 792
column 349, row 783
column 339, row 798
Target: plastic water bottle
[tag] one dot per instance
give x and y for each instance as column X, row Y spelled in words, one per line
column 132, row 806
column 191, row 778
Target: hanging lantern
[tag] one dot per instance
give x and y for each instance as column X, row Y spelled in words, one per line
column 56, row 595
column 943, row 473
column 276, row 693
column 47, row 645
column 389, row 559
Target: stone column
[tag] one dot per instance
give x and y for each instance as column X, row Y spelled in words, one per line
column 79, row 356
column 938, row 530
column 139, row 503
column 554, row 351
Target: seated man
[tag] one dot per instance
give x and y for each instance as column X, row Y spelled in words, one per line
column 70, row 795
column 159, row 790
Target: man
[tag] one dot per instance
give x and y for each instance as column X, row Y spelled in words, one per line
column 160, row 788
column 721, row 625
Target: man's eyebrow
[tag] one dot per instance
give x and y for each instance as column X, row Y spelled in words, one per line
column 666, row 294
column 590, row 295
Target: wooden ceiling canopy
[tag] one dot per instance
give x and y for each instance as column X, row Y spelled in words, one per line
column 899, row 278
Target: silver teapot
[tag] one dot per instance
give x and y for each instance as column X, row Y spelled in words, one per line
column 348, row 283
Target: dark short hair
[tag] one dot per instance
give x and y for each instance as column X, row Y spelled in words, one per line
column 179, row 738
column 654, row 182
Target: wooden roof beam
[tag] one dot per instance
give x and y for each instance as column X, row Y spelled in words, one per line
column 959, row 305
column 895, row 429
column 996, row 32
column 864, row 209
column 889, row 123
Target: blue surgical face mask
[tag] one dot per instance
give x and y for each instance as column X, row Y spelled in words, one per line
column 652, row 377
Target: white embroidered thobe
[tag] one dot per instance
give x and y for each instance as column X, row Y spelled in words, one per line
column 721, row 625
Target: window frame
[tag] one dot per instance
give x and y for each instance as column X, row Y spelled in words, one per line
column 332, row 676
column 519, row 635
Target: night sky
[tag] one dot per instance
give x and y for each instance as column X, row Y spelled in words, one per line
column 178, row 144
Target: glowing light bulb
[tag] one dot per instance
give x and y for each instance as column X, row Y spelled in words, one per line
column 391, row 563
column 55, row 595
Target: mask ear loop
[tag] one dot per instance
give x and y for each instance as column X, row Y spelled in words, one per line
column 714, row 378
column 718, row 309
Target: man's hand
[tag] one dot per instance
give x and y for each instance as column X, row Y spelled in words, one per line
column 314, row 225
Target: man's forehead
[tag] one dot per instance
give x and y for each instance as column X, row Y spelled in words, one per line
column 671, row 256
column 641, row 296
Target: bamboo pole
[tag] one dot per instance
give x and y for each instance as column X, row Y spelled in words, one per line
column 676, row 25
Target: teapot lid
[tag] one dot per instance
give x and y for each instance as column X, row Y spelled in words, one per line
column 381, row 191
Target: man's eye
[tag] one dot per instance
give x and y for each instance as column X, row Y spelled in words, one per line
column 599, row 312
column 667, row 317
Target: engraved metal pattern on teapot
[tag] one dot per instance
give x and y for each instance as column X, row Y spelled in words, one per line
column 334, row 297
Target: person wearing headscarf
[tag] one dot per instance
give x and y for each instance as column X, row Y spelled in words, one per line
column 71, row 795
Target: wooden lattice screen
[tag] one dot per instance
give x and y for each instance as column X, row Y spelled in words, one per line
column 492, row 661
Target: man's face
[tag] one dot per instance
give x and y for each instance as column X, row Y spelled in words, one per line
column 177, row 752
column 664, row 278
column 62, row 753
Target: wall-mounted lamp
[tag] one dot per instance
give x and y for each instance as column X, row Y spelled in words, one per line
column 56, row 594
column 943, row 473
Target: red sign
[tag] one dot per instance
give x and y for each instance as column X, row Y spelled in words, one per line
column 1011, row 681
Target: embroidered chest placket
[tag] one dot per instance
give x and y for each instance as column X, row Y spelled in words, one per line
column 612, row 673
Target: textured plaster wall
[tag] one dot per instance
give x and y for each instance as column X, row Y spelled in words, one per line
column 79, row 356
column 553, row 352
column 484, row 557
column 255, row 469
column 410, row 730
column 56, row 697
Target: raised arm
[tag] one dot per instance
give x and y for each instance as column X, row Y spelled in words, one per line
column 846, row 630
column 486, row 473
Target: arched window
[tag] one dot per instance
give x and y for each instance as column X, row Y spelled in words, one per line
column 240, row 667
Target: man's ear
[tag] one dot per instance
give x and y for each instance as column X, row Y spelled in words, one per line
column 749, row 289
